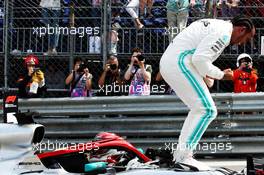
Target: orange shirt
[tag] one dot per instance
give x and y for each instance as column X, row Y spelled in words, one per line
column 244, row 81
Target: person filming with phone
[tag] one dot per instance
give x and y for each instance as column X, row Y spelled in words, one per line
column 245, row 77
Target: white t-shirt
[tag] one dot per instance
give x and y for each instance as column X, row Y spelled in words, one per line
column 208, row 37
column 54, row 4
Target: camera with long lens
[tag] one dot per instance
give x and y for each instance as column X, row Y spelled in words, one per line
column 113, row 66
column 140, row 57
column 81, row 68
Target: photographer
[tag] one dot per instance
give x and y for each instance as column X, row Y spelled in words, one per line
column 138, row 74
column 32, row 82
column 80, row 79
column 110, row 78
column 245, row 77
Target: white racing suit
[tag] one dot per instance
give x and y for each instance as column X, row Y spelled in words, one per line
column 185, row 64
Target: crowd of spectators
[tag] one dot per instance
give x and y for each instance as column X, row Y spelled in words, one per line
column 136, row 14
column 178, row 11
column 113, row 81
column 134, row 80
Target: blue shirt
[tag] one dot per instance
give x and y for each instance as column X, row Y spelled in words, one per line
column 177, row 5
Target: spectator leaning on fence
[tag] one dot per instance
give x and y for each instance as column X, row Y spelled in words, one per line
column 110, row 81
column 32, row 82
column 177, row 15
column 133, row 8
column 80, row 80
column 245, row 77
column 51, row 13
column 138, row 74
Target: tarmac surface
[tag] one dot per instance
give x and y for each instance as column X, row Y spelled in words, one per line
column 233, row 164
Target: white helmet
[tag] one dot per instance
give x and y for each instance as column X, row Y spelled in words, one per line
column 241, row 56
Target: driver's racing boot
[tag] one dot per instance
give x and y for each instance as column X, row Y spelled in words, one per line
column 186, row 157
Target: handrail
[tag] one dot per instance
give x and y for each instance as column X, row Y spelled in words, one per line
column 163, row 104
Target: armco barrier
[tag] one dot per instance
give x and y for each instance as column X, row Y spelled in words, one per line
column 153, row 120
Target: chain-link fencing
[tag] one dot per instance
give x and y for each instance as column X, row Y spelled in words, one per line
column 157, row 32
column 93, row 30
column 56, row 32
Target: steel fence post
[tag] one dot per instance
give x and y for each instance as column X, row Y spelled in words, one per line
column 6, row 43
column 72, row 23
column 106, row 18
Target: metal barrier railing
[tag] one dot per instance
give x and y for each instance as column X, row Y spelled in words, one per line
column 226, row 102
column 153, row 120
